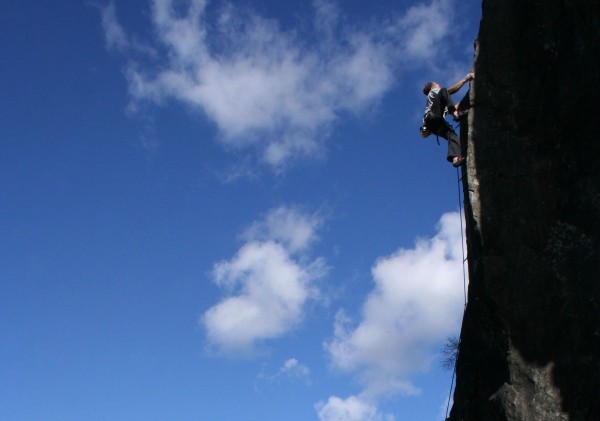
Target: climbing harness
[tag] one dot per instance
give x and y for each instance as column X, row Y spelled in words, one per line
column 425, row 132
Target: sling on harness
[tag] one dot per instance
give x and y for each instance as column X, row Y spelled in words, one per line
column 432, row 124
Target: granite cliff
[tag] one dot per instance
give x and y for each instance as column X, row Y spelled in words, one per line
column 530, row 339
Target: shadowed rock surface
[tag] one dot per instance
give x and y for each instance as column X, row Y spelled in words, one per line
column 530, row 340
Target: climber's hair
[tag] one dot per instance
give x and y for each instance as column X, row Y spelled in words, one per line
column 428, row 87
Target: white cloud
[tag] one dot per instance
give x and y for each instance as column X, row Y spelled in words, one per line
column 269, row 89
column 289, row 226
column 426, row 26
column 293, row 369
column 118, row 40
column 416, row 303
column 352, row 408
column 268, row 285
column 113, row 32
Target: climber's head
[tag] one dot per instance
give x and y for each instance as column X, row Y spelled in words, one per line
column 429, row 86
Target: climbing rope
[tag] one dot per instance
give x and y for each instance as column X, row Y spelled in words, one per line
column 462, row 235
column 464, row 260
column 450, row 394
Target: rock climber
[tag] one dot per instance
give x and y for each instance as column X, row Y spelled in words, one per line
column 439, row 103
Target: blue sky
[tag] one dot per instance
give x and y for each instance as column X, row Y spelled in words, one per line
column 224, row 210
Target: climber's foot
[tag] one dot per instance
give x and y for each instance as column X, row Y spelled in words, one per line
column 458, row 161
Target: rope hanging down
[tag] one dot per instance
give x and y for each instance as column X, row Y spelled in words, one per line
column 464, row 259
column 462, row 236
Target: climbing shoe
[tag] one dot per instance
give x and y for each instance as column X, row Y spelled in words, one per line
column 459, row 162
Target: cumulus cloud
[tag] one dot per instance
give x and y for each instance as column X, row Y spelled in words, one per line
column 289, row 226
column 267, row 88
column 117, row 38
column 426, row 26
column 268, row 283
column 113, row 32
column 291, row 371
column 417, row 301
column 292, row 368
column 352, row 408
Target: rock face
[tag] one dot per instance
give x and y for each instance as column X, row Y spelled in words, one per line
column 530, row 340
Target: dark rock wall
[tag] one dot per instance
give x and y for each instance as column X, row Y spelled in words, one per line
column 530, row 341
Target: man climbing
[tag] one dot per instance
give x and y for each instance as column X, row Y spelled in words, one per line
column 439, row 103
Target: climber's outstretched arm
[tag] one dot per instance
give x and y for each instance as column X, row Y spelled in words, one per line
column 454, row 88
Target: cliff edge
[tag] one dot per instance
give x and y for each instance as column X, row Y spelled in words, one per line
column 530, row 340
